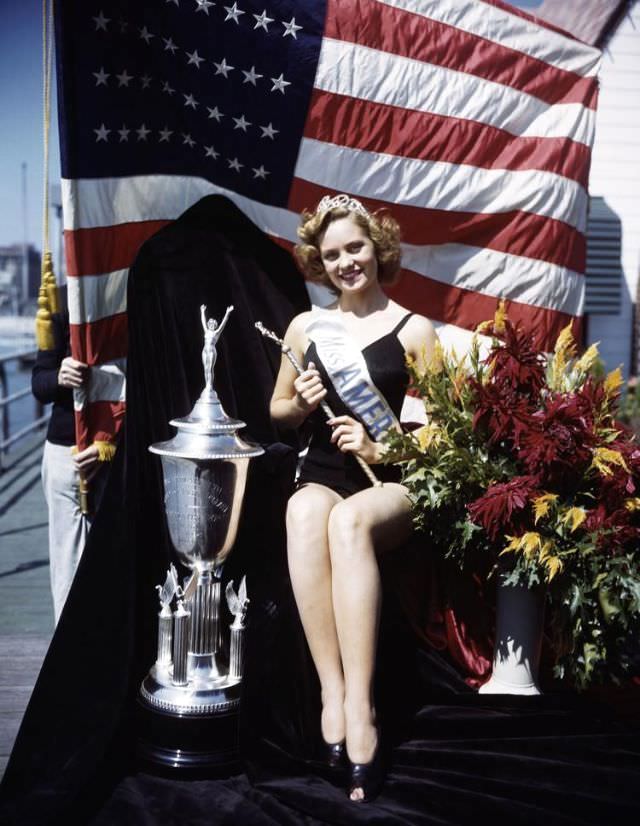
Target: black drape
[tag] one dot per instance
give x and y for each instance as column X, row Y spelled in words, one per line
column 455, row 757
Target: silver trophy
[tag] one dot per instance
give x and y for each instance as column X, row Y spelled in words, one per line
column 204, row 469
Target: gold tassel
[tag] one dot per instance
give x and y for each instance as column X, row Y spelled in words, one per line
column 49, row 282
column 106, row 451
column 44, row 325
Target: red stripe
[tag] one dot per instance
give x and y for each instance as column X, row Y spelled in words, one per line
column 104, row 249
column 467, row 309
column 378, row 127
column 100, row 341
column 411, row 35
column 515, row 232
column 99, row 422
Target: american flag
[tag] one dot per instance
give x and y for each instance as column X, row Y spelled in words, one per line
column 470, row 120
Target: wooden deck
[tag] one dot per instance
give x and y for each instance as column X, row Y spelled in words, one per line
column 26, row 610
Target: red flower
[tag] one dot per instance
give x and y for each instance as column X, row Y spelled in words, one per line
column 516, row 362
column 504, row 413
column 558, row 444
column 502, row 507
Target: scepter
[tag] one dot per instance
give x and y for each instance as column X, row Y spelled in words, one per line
column 288, row 352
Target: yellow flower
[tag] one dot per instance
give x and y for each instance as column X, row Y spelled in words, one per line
column 530, row 542
column 553, row 565
column 632, row 504
column 545, row 552
column 514, row 544
column 613, row 382
column 427, row 435
column 500, row 316
column 434, row 363
column 604, row 457
column 542, row 504
column 587, row 359
column 563, row 352
column 574, row 517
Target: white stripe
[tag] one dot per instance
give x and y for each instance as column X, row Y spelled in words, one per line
column 92, row 297
column 107, row 383
column 102, row 202
column 510, row 31
column 441, row 185
column 499, row 275
column 349, row 69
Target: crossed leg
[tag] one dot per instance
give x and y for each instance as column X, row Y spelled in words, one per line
column 332, row 546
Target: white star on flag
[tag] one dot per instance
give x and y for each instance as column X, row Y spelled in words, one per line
column 233, row 12
column 123, row 25
column 211, row 153
column 215, row 113
column 262, row 20
column 291, row 28
column 165, row 134
column 223, row 68
column 177, row 2
column 101, row 21
column 169, row 45
column 145, row 34
column 241, row 123
column 101, row 77
column 168, row 89
column 188, row 140
column 146, row 81
column 142, row 132
column 268, row 131
column 279, row 83
column 203, row 5
column 102, row 133
column 189, row 100
column 195, row 58
column 251, row 76
column 124, row 133
column 124, row 78
column 260, row 172
column 235, row 164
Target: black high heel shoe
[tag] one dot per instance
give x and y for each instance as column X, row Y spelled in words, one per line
column 332, row 754
column 368, row 776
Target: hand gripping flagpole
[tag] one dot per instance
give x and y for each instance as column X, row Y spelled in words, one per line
column 287, row 351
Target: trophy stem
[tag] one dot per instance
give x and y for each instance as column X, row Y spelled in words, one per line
column 236, row 654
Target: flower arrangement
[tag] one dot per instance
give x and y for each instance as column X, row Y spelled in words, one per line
column 522, row 462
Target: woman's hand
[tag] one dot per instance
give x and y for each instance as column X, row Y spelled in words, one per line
column 351, row 437
column 309, row 389
column 72, row 373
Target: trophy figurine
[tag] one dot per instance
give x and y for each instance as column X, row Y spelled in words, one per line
column 188, row 700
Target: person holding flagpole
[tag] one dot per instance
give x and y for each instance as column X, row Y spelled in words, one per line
column 353, row 356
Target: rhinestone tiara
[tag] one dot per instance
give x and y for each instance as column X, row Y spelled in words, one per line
column 343, row 201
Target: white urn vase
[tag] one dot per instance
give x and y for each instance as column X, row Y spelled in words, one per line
column 516, row 653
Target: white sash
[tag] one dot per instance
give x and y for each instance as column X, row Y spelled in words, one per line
column 347, row 369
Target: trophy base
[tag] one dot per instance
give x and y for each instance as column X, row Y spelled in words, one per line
column 188, row 731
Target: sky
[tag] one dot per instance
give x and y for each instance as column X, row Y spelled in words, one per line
column 21, row 132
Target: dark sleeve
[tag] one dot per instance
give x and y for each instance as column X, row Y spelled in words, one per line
column 44, row 376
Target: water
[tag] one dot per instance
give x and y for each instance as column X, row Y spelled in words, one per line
column 22, row 411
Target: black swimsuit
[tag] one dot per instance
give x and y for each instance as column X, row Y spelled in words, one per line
column 324, row 463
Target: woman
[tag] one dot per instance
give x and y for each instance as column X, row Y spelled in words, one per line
column 336, row 520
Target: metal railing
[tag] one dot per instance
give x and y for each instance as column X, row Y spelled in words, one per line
column 40, row 418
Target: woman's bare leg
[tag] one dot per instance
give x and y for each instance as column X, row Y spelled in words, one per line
column 310, row 569
column 372, row 521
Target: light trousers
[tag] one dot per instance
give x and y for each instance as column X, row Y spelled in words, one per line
column 68, row 527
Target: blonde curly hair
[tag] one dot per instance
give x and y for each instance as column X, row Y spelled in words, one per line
column 381, row 227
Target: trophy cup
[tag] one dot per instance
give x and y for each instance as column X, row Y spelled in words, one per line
column 187, row 705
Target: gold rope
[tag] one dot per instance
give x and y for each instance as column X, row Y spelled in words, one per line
column 48, row 300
